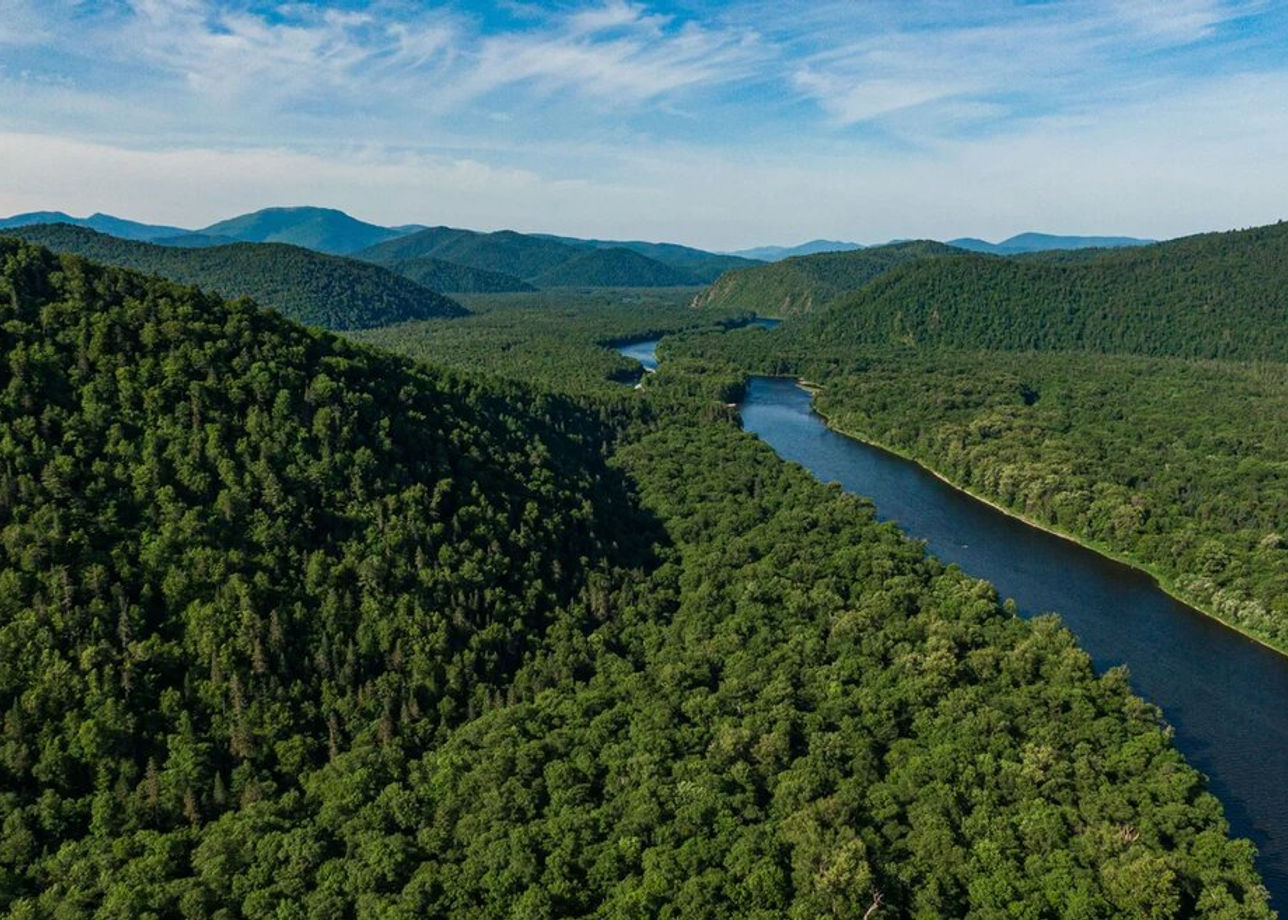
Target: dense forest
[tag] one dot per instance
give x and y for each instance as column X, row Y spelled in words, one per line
column 805, row 284
column 543, row 261
column 304, row 285
column 293, row 628
column 1218, row 295
column 700, row 265
column 451, row 278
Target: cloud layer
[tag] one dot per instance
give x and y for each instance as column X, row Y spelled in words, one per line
column 744, row 122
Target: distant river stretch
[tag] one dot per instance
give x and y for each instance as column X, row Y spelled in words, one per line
column 1226, row 696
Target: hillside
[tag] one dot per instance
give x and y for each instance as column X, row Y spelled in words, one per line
column 1217, row 295
column 538, row 260
column 103, row 223
column 306, row 286
column 702, row 266
column 236, row 548
column 450, row 278
column 322, row 229
column 806, row 284
column 612, row 268
column 295, row 628
column 1045, row 242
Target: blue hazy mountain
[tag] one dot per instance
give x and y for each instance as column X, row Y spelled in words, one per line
column 1042, row 242
column 778, row 253
column 103, row 223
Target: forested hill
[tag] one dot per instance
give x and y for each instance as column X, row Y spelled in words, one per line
column 307, row 286
column 539, row 260
column 1217, row 295
column 805, row 284
column 323, row 229
column 451, row 278
column 235, row 548
column 290, row 628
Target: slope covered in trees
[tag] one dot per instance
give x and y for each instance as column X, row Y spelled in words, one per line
column 295, row 628
column 234, row 549
column 540, row 260
column 451, row 278
column 1217, row 295
column 306, row 286
column 698, row 265
column 806, row 284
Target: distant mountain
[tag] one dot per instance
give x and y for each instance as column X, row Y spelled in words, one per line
column 543, row 261
column 103, row 223
column 322, row 229
column 704, row 266
column 1216, row 295
column 778, row 253
column 804, row 284
column 1042, row 242
column 451, row 278
column 307, row 286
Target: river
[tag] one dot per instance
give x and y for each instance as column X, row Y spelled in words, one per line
column 1225, row 695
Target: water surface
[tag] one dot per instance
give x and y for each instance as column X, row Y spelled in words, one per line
column 1226, row 696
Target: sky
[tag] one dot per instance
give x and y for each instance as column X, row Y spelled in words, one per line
column 717, row 123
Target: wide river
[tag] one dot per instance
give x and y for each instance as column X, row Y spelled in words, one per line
column 1225, row 695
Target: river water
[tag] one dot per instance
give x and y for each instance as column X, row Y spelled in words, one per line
column 1225, row 695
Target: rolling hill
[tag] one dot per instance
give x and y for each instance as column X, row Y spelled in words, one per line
column 306, row 286
column 1215, row 295
column 612, row 268
column 324, row 229
column 703, row 266
column 295, row 628
column 539, row 260
column 805, row 284
column 452, row 278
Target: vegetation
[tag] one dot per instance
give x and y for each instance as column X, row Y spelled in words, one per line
column 552, row 338
column 805, row 284
column 450, row 278
column 1218, row 295
column 698, row 265
column 612, row 268
column 320, row 229
column 539, row 260
column 293, row 628
column 303, row 285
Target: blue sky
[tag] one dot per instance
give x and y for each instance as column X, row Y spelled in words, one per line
column 722, row 124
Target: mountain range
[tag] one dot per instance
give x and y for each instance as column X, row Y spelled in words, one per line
column 304, row 285
column 778, row 253
column 1043, row 242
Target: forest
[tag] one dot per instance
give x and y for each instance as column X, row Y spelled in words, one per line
column 294, row 627
column 303, row 285
column 805, row 284
column 1217, row 295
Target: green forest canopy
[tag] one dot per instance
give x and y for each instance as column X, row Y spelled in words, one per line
column 306, row 286
column 294, row 628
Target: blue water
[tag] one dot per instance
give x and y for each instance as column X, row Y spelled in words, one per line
column 1225, row 695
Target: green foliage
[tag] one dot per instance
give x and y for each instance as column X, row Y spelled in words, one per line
column 1218, row 295
column 540, row 260
column 306, row 286
column 292, row 628
column 557, row 339
column 450, row 278
column 805, row 284
column 1178, row 465
column 235, row 549
column 612, row 268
